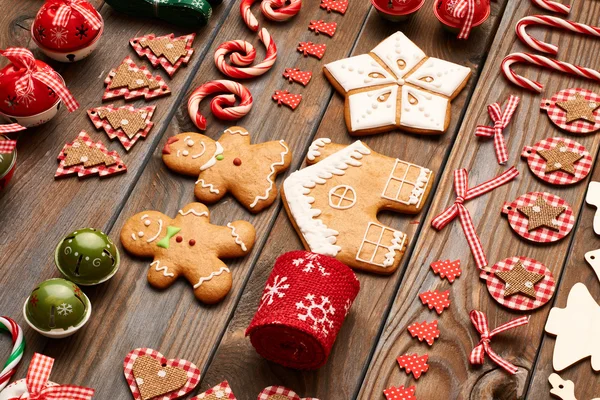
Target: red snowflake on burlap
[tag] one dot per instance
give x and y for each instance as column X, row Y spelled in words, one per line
column 311, row 49
column 328, row 28
column 286, row 98
column 447, row 269
column 427, row 331
column 400, row 393
column 295, row 75
column 335, row 5
column 434, row 299
column 414, row 364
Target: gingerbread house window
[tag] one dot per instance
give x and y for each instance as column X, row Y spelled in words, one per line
column 379, row 245
column 403, row 184
column 342, row 197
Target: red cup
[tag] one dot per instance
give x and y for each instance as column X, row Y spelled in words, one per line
column 443, row 11
column 397, row 10
column 8, row 163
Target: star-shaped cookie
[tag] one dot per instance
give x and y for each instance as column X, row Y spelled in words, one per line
column 542, row 214
column 560, row 158
column 519, row 280
column 579, row 108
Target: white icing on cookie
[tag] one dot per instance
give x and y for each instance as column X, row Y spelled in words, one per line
column 368, row 254
column 209, row 277
column 359, row 72
column 397, row 179
column 164, row 269
column 423, row 110
column 153, row 238
column 373, row 109
column 213, row 159
column 399, row 53
column 238, row 240
column 314, row 149
column 237, row 131
column 397, row 244
column 270, row 177
column 201, row 153
column 422, row 181
column 439, row 76
column 342, row 197
column 298, row 185
column 196, row 213
column 210, row 186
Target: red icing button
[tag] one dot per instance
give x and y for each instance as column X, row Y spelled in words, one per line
column 192, row 242
column 237, row 162
column 179, row 239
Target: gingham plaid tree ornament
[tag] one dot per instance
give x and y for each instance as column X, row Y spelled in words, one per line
column 280, row 393
column 126, row 123
column 131, row 82
column 220, row 392
column 167, row 51
column 562, row 108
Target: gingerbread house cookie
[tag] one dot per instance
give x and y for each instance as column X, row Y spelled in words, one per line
column 334, row 202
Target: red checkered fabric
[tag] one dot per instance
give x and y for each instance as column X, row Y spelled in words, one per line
column 7, row 146
column 480, row 322
column 38, row 386
column 10, row 128
column 162, row 60
column 282, row 391
column 221, row 391
column 519, row 222
column 101, row 170
column 23, row 58
column 111, row 94
column 544, row 289
column 63, row 13
column 559, row 116
column 537, row 164
column 192, row 371
column 112, row 133
column 465, row 10
column 500, row 119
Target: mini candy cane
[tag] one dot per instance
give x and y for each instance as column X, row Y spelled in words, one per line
column 553, row 6
column 7, row 324
column 216, row 105
column 275, row 10
column 243, row 54
column 553, row 22
column 542, row 62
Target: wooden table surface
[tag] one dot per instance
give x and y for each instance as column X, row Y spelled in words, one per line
column 36, row 212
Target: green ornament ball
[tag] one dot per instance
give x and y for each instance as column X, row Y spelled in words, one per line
column 87, row 257
column 58, row 307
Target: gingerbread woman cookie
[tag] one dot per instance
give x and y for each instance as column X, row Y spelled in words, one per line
column 231, row 164
column 333, row 203
column 190, row 246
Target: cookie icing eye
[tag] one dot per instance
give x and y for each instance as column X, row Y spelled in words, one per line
column 190, row 143
column 185, row 153
column 147, row 222
column 141, row 234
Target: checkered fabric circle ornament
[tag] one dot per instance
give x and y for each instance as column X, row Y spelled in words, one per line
column 192, row 371
column 544, row 289
column 538, row 165
column 558, row 115
column 520, row 223
column 280, row 392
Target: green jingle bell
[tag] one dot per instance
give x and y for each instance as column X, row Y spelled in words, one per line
column 57, row 308
column 87, row 257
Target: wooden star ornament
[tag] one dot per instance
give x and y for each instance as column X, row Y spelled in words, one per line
column 579, row 108
column 542, row 214
column 519, row 280
column 560, row 158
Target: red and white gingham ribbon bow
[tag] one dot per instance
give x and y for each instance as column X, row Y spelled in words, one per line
column 463, row 194
column 7, row 146
column 501, row 120
column 480, row 322
column 23, row 59
column 64, row 10
column 37, row 378
column 465, row 10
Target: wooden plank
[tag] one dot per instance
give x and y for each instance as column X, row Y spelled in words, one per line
column 450, row 375
column 340, row 377
column 37, row 212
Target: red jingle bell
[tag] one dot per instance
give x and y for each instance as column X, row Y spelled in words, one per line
column 476, row 12
column 30, row 90
column 67, row 30
column 397, row 10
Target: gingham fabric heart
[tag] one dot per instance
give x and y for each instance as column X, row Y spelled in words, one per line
column 193, row 373
column 280, row 393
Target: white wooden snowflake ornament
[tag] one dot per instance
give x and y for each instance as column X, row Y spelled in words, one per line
column 397, row 85
column 577, row 329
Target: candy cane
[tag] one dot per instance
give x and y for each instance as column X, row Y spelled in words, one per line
column 231, row 113
column 7, row 324
column 542, row 62
column 275, row 10
column 553, row 6
column 553, row 22
column 244, row 54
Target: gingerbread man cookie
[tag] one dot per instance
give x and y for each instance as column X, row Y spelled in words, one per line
column 333, row 203
column 190, row 246
column 231, row 164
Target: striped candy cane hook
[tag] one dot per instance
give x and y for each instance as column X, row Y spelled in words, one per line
column 10, row 326
column 554, row 22
column 553, row 6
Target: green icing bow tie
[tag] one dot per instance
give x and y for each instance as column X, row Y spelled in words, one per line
column 171, row 231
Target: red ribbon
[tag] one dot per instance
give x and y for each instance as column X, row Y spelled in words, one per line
column 23, row 59
column 458, row 209
column 501, row 120
column 465, row 10
column 480, row 322
column 64, row 10
column 37, row 380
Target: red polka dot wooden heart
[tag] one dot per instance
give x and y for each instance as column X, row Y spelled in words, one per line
column 540, row 217
column 574, row 110
column 499, row 288
column 168, row 366
column 280, row 393
column 558, row 161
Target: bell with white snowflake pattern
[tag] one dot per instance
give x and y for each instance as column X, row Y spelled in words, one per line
column 445, row 12
column 67, row 30
column 57, row 308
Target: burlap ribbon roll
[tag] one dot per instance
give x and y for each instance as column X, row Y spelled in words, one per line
column 305, row 301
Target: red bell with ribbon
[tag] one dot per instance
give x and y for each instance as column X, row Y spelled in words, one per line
column 30, row 90
column 37, row 386
column 460, row 16
column 397, row 10
column 67, row 30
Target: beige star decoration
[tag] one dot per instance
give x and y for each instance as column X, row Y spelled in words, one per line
column 580, row 108
column 560, row 158
column 542, row 214
column 519, row 280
